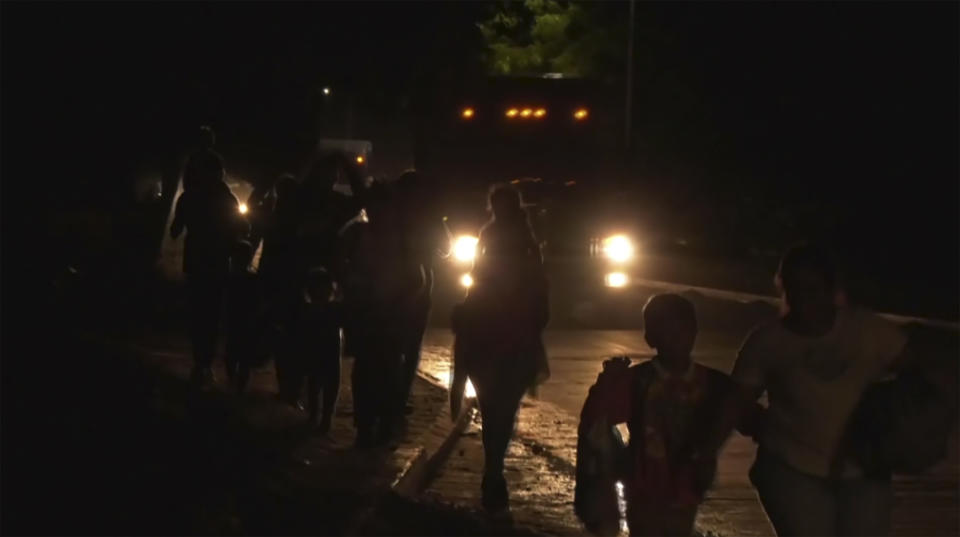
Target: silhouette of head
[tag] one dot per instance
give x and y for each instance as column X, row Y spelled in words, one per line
column 319, row 286
column 322, row 173
column 206, row 138
column 504, row 202
column 286, row 186
column 670, row 325
column 411, row 183
column 807, row 278
column 241, row 256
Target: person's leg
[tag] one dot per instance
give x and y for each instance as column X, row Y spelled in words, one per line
column 389, row 404
column 865, row 507
column 412, row 346
column 363, row 411
column 282, row 357
column 498, row 413
column 331, row 388
column 286, row 352
column 494, row 486
column 314, row 380
column 205, row 297
column 231, row 356
column 797, row 504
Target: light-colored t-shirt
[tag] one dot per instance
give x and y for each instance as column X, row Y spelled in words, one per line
column 814, row 383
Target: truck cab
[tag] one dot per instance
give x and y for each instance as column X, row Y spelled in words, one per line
column 557, row 141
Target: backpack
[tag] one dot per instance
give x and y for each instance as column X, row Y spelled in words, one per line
column 901, row 426
column 601, row 455
column 602, row 460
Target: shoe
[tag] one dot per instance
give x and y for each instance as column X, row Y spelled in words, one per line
column 496, row 498
column 385, row 434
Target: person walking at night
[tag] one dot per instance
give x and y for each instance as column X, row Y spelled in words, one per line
column 815, row 363
column 245, row 318
column 210, row 215
column 498, row 329
column 423, row 237
column 280, row 275
column 315, row 345
column 381, row 287
column 678, row 414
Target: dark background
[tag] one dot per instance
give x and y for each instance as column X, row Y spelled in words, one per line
column 839, row 117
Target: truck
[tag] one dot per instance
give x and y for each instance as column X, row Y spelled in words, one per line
column 559, row 141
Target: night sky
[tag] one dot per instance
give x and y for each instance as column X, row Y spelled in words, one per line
column 850, row 105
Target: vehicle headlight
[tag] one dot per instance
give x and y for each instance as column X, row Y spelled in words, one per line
column 243, row 208
column 618, row 248
column 616, row 279
column 466, row 280
column 465, row 248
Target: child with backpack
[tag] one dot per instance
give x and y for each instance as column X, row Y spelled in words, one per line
column 678, row 414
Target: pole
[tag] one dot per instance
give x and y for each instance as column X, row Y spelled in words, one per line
column 628, row 109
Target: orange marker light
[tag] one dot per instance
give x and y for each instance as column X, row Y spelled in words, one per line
column 467, row 113
column 512, row 112
column 540, row 112
column 581, row 114
column 526, row 112
column 360, row 159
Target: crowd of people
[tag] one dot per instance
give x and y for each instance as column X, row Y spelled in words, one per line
column 361, row 265
column 330, row 264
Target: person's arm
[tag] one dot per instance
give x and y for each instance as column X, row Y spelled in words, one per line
column 458, row 380
column 888, row 344
column 610, row 398
column 749, row 376
column 179, row 218
column 733, row 409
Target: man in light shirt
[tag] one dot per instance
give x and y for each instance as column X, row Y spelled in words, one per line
column 815, row 363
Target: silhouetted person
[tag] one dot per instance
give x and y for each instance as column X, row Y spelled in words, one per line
column 316, row 342
column 814, row 363
column 423, row 238
column 498, row 332
column 282, row 278
column 678, row 412
column 194, row 168
column 260, row 209
column 381, row 287
column 244, row 316
column 325, row 211
column 210, row 214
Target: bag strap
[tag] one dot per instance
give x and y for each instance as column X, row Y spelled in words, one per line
column 643, row 376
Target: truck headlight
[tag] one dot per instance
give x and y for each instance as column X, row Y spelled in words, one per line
column 465, row 248
column 618, row 248
column 616, row 280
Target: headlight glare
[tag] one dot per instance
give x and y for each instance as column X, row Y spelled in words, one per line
column 618, row 248
column 465, row 248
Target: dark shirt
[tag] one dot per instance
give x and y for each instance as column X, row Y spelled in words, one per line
column 317, row 331
column 213, row 222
